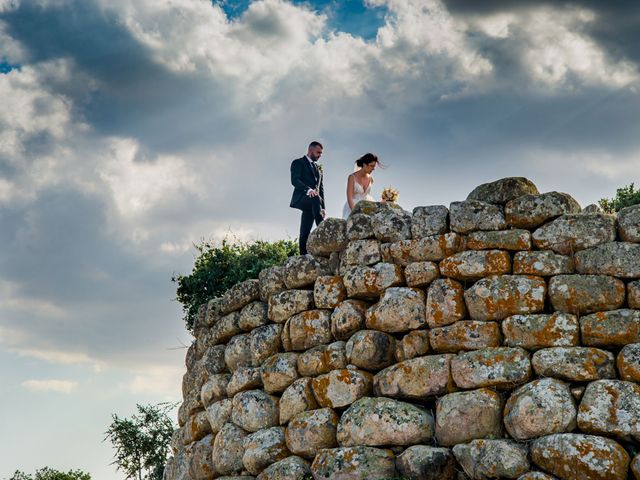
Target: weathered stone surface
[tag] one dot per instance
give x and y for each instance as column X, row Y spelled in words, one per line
column 500, row 239
column 473, row 265
column 633, row 294
column 239, row 295
column 201, row 465
column 371, row 282
column 464, row 335
column 399, row 310
column 225, row 328
column 253, row 315
column 570, row 456
column 536, row 476
column 464, row 416
column 322, row 359
column 309, row 432
column 354, row 463
column 530, row 211
column 284, row 305
column 383, row 421
column 629, row 223
column 485, row 459
column 421, row 274
column 265, row 341
column 614, row 328
column 635, row 467
column 445, row 302
column 431, row 220
column 254, row 410
column 413, row 344
column 329, row 291
column 228, row 449
column 177, row 467
column 540, row 408
column 544, row 263
column 416, row 379
column 340, row 388
column 211, row 312
column 362, row 252
column 498, row 297
column 391, row 224
column 359, row 226
column 501, row 367
column 371, row 349
column 582, row 294
column 190, row 406
column 536, row 331
column 571, row 233
column 612, row 408
column 574, row 364
column 426, row 463
column 297, row 398
column 308, row 329
column 628, row 362
column 271, row 282
column 237, row 353
column 427, row 249
column 302, row 270
column 290, row 468
column 330, row 236
column 473, row 215
column 196, row 428
column 279, row 371
column 245, row 378
column 263, row 448
column 619, row 259
column 503, row 190
column 219, row 413
column 347, row 318
column 215, row 389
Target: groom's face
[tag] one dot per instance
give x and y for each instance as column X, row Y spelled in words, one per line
column 315, row 153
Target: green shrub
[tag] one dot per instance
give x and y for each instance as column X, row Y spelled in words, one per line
column 47, row 473
column 219, row 267
column 625, row 197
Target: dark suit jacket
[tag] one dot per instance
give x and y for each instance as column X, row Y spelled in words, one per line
column 303, row 178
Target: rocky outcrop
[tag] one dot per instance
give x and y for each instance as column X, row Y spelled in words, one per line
column 496, row 338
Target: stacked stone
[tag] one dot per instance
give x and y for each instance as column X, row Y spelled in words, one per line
column 496, row 338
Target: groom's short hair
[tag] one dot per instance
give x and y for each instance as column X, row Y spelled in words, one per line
column 315, row 144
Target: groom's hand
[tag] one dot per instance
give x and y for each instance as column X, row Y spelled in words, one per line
column 312, row 193
column 323, row 212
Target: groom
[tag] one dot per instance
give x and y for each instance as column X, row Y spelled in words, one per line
column 308, row 191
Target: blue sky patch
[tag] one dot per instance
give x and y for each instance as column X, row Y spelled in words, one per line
column 6, row 67
column 351, row 16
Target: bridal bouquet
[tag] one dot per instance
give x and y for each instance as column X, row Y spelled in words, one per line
column 389, row 195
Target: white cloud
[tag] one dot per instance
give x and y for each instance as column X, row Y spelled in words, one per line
column 59, row 386
column 155, row 380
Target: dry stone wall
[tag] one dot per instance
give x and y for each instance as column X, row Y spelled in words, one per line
column 496, row 338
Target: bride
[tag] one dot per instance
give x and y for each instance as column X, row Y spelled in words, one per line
column 359, row 183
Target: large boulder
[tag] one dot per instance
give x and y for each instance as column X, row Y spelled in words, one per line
column 265, row 341
column 263, row 448
column 427, row 249
column 500, row 239
column 307, row 329
column 464, row 416
column 290, row 468
column 419, row 379
column 413, row 344
column 473, row 215
column 237, row 353
column 329, row 291
column 574, row 364
column 498, row 297
column 629, row 223
column 421, row 274
column 427, row 463
column 628, row 362
column 285, row 304
column 540, row 408
column 359, row 226
column 330, row 236
column 531, row 211
column 279, row 371
column 391, row 224
column 503, row 190
column 464, row 335
column 309, row 432
column 322, row 359
column 484, row 459
column 619, row 259
column 445, row 302
column 431, row 220
column 544, row 263
column 228, row 450
column 354, row 463
column 633, row 294
column 239, row 295
column 225, row 328
column 476, row 264
column 297, row 398
column 371, row 282
column 253, row 315
column 371, row 349
column 302, row 270
column 500, row 367
column 382, row 421
column 571, row 233
column 361, row 252
column 271, row 281
column 582, row 294
column 613, row 328
column 254, row 410
column 347, row 318
column 219, row 413
column 399, row 310
column 340, row 388
column 542, row 330
column 570, row 456
column 245, row 378
column 214, row 389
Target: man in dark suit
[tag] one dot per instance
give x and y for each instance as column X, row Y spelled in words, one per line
column 308, row 191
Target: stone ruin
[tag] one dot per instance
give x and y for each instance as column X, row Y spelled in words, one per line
column 496, row 338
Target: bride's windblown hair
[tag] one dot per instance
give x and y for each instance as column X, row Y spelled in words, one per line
column 368, row 158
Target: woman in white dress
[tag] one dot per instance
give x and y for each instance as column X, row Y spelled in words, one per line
column 359, row 182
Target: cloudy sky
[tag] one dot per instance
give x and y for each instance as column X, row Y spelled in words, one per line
column 132, row 129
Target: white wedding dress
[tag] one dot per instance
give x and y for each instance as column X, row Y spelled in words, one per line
column 359, row 193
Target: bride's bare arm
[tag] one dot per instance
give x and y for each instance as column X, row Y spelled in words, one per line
column 350, row 188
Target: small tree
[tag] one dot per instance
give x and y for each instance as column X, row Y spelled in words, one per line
column 219, row 267
column 142, row 441
column 47, row 473
column 625, row 197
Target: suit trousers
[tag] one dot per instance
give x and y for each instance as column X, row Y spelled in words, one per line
column 311, row 211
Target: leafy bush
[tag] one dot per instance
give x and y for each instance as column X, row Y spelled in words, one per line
column 625, row 197
column 219, row 267
column 47, row 473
